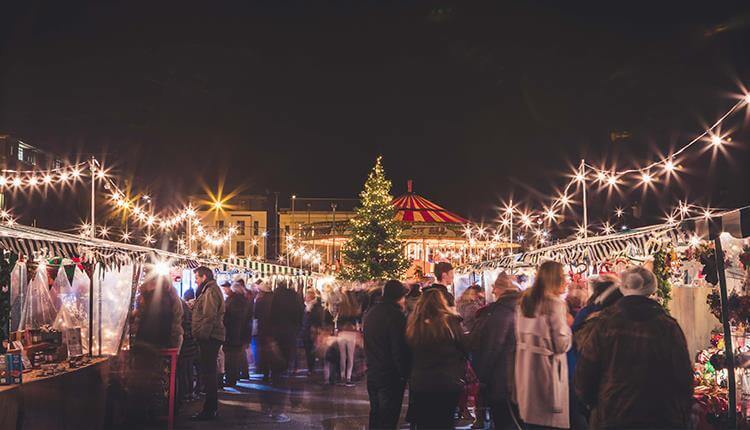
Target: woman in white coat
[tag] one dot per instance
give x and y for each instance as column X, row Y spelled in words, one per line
column 542, row 339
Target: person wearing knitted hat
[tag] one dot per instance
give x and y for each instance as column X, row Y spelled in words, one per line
column 387, row 356
column 494, row 350
column 634, row 369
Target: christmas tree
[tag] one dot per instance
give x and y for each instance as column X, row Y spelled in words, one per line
column 375, row 250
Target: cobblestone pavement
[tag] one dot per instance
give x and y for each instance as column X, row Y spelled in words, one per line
column 309, row 405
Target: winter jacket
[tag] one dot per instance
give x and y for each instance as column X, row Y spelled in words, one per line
column 443, row 289
column 440, row 366
column 494, row 360
column 541, row 366
column 313, row 320
column 287, row 310
column 634, row 369
column 158, row 321
column 189, row 349
column 235, row 320
column 386, row 353
column 208, row 313
column 262, row 313
column 468, row 311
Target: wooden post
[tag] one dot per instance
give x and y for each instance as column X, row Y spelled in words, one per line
column 729, row 351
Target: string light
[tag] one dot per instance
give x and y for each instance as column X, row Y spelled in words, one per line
column 716, row 140
column 669, row 166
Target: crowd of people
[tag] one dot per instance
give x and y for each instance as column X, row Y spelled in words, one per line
column 532, row 359
column 222, row 332
column 541, row 361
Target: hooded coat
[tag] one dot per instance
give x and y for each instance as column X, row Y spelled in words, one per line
column 634, row 368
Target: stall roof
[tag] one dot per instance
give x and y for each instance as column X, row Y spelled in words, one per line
column 28, row 240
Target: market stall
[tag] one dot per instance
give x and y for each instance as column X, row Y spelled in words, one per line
column 64, row 306
column 702, row 270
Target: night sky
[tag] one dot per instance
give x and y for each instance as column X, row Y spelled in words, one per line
column 474, row 100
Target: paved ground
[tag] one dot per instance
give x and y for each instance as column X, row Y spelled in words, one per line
column 309, row 404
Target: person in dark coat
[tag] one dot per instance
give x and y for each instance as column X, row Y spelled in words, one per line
column 312, row 324
column 285, row 319
column 186, row 359
column 605, row 292
column 494, row 359
column 157, row 325
column 262, row 336
column 287, row 311
column 634, row 368
column 235, row 322
column 438, row 362
column 387, row 356
column 443, row 279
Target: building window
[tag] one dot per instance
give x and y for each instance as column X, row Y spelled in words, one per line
column 240, row 248
column 220, row 224
column 286, row 230
column 256, row 228
column 58, row 164
column 255, row 250
column 20, row 154
column 240, row 228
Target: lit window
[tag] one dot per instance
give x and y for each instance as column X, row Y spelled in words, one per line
column 20, row 153
column 240, row 247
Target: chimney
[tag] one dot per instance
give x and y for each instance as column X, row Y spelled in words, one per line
column 409, row 185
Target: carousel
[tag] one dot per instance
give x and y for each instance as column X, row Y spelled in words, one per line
column 431, row 234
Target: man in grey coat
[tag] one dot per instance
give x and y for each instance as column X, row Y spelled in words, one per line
column 209, row 332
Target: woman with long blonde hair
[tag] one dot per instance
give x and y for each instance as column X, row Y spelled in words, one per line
column 542, row 339
column 433, row 331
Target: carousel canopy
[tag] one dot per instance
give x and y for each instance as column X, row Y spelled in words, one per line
column 412, row 207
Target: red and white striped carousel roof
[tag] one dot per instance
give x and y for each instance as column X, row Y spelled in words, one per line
column 415, row 208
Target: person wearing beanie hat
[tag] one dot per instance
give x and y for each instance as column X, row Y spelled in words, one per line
column 634, row 369
column 638, row 281
column 493, row 345
column 387, row 356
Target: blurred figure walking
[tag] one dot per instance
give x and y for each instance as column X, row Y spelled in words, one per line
column 387, row 356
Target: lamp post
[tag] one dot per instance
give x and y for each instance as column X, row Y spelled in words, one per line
column 582, row 176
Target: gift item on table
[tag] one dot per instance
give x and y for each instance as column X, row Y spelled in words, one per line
column 11, row 369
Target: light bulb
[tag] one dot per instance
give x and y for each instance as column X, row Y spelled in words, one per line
column 716, row 140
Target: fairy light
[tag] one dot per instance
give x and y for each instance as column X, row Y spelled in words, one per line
column 47, row 179
column 669, row 166
column 16, row 182
column 601, row 176
column 619, row 212
column 646, row 178
column 695, row 240
column 716, row 140
column 612, row 181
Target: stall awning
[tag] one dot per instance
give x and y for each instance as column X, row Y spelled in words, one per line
column 735, row 222
column 638, row 242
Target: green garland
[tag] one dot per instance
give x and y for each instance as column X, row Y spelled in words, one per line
column 662, row 271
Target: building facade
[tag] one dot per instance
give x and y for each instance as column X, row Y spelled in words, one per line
column 240, row 224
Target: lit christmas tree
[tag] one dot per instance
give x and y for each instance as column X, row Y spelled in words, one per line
column 375, row 250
